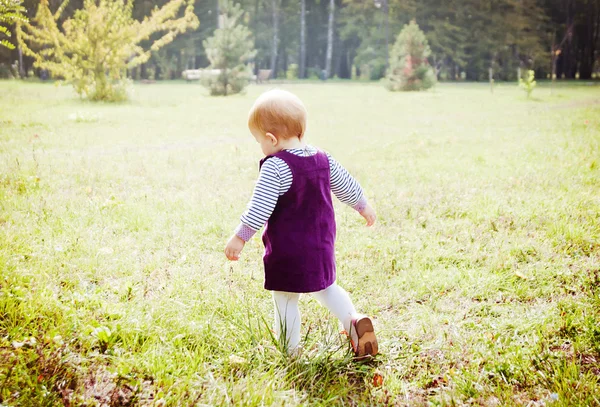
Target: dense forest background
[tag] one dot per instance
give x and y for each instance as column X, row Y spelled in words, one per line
column 467, row 37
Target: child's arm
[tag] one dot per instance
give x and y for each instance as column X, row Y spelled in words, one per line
column 347, row 189
column 259, row 209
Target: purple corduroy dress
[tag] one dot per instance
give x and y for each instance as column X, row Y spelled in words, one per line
column 299, row 236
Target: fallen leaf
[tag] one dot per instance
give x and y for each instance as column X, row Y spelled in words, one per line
column 237, row 361
column 377, row 380
column 521, row 275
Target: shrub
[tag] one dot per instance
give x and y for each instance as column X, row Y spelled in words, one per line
column 371, row 63
column 5, row 72
column 529, row 83
column 292, row 72
column 313, row 73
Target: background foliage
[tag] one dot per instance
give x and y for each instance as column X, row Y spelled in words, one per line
column 228, row 51
column 11, row 12
column 409, row 67
column 466, row 37
column 93, row 49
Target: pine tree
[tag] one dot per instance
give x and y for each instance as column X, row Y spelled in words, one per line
column 11, row 12
column 409, row 69
column 100, row 42
column 228, row 50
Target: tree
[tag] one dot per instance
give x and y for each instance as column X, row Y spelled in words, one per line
column 228, row 50
column 11, row 12
column 95, row 47
column 329, row 39
column 409, row 69
column 302, row 56
column 445, row 25
column 275, row 43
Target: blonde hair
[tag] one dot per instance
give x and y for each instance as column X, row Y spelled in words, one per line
column 278, row 112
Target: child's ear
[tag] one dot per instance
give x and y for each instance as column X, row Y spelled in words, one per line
column 273, row 139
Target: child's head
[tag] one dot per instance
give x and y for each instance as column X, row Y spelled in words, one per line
column 277, row 116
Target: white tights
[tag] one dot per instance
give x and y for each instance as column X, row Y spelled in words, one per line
column 287, row 314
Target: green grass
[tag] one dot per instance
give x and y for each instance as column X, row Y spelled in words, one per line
column 483, row 271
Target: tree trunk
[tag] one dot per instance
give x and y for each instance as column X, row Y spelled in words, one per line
column 20, row 50
column 386, row 10
column 588, row 44
column 21, row 67
column 349, row 64
column 255, row 23
column 102, row 86
column 275, row 44
column 338, row 61
column 283, row 57
column 567, row 53
column 553, row 71
column 329, row 39
column 302, row 58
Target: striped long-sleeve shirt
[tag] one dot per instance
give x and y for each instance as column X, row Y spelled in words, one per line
column 275, row 179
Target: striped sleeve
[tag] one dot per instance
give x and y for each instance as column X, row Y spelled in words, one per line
column 263, row 201
column 345, row 187
column 275, row 179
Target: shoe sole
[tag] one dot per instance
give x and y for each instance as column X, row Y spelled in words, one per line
column 365, row 336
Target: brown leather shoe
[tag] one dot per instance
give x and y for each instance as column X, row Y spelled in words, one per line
column 362, row 337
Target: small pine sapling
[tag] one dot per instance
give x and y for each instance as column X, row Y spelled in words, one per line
column 228, row 51
column 529, row 83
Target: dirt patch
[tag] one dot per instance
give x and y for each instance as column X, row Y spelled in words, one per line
column 589, row 363
column 108, row 390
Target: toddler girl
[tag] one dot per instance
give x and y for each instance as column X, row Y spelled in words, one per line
column 293, row 197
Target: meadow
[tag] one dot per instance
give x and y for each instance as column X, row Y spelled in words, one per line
column 482, row 272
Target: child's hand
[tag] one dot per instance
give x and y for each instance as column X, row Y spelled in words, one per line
column 234, row 247
column 369, row 214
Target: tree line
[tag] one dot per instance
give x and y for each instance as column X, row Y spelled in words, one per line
column 469, row 39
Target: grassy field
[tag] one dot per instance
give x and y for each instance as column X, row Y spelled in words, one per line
column 482, row 273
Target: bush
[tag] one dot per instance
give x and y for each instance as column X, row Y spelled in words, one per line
column 371, row 63
column 166, row 65
column 409, row 69
column 228, row 81
column 529, row 83
column 292, row 72
column 5, row 72
column 313, row 73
